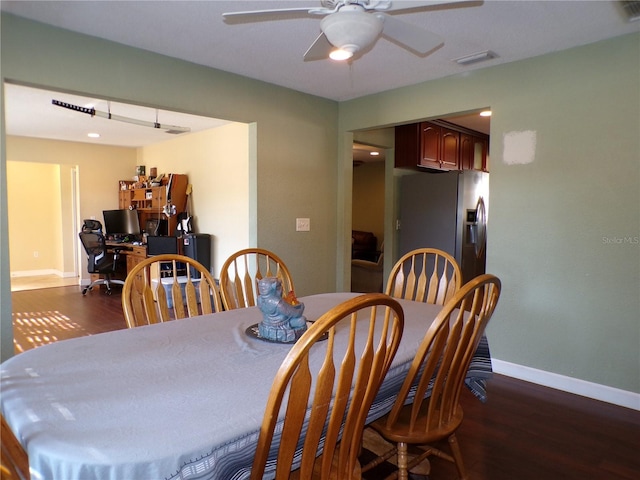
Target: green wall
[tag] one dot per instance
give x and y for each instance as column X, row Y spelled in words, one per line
column 564, row 230
column 294, row 136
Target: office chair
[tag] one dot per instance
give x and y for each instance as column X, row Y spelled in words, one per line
column 99, row 260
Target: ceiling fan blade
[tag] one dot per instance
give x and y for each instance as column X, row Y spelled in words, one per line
column 409, row 35
column 258, row 15
column 319, row 50
column 397, row 5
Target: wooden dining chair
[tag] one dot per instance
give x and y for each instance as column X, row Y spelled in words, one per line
column 425, row 275
column 241, row 272
column 14, row 463
column 168, row 287
column 331, row 376
column 427, row 408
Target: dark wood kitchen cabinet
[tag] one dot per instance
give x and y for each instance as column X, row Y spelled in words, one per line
column 407, row 146
column 473, row 152
column 440, row 146
column 426, row 145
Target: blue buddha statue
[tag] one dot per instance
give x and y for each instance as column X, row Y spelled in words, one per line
column 282, row 321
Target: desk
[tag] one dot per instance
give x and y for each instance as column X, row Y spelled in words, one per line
column 177, row 400
column 133, row 254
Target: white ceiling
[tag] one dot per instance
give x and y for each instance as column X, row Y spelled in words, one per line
column 272, row 50
column 30, row 113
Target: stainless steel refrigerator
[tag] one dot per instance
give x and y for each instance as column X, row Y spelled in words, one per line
column 448, row 211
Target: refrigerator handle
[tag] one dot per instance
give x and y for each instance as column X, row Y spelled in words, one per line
column 473, row 233
column 481, row 219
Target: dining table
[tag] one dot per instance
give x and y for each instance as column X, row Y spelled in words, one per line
column 180, row 400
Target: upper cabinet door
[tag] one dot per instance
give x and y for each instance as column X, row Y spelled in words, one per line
column 473, row 152
column 430, row 145
column 449, row 149
column 440, row 146
column 480, row 154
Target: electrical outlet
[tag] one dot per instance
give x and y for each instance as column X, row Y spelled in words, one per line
column 303, row 224
column 35, row 254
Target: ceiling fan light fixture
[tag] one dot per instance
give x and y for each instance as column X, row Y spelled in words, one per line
column 341, row 54
column 351, row 30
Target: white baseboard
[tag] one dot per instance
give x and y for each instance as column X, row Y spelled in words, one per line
column 38, row 273
column 34, row 273
column 596, row 391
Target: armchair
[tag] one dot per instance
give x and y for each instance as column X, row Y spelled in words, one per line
column 366, row 276
column 364, row 246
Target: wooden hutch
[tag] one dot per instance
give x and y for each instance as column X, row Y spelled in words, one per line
column 150, row 201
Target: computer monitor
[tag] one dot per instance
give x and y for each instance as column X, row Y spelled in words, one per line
column 158, row 245
column 121, row 223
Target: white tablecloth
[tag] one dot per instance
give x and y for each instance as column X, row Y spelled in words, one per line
column 178, row 400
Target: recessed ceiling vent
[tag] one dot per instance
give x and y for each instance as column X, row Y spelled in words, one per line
column 631, row 9
column 475, row 58
column 330, row 3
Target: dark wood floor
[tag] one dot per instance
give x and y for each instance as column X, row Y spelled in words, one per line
column 523, row 432
column 51, row 314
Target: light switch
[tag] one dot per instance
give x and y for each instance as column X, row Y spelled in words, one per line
column 303, row 225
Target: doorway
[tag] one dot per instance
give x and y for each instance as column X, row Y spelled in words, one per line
column 32, row 121
column 390, row 210
column 367, row 235
column 42, row 201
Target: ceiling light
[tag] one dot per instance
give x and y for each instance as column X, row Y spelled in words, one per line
column 485, row 113
column 475, row 57
column 340, row 54
column 352, row 29
column 374, row 154
column 93, row 135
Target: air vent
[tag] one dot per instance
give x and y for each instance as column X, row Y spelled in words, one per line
column 631, row 9
column 475, row 58
column 331, row 4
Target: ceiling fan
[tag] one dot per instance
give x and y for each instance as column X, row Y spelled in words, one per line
column 352, row 26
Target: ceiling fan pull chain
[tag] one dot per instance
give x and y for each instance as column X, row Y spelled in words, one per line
column 351, row 73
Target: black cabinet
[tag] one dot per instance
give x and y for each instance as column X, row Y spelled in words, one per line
column 198, row 247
